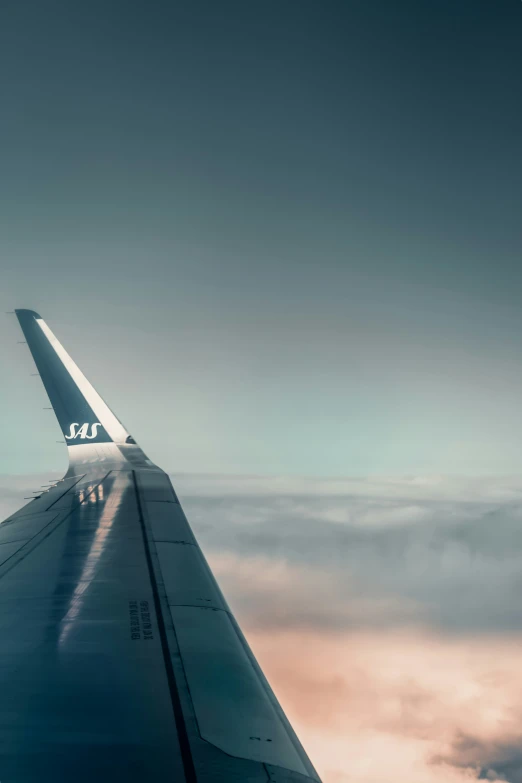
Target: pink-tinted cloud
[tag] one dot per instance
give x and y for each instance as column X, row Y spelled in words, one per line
column 403, row 703
column 398, row 683
column 370, row 707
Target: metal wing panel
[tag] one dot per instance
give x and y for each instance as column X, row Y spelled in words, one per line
column 168, row 523
column 231, row 702
column 85, row 694
column 233, row 706
column 20, row 531
column 24, row 528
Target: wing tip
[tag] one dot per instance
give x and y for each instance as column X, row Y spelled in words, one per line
column 25, row 313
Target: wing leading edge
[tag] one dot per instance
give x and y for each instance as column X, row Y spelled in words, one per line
column 119, row 656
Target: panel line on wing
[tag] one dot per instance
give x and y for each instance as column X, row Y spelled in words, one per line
column 184, row 744
column 20, row 551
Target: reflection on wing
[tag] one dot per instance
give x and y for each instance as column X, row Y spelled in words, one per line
column 105, row 518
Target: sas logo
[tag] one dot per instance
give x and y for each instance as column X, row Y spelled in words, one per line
column 83, row 432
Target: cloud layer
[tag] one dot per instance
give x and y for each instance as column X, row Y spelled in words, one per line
column 385, row 612
column 380, row 555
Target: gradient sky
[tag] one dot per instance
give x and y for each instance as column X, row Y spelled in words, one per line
column 283, row 239
column 277, row 236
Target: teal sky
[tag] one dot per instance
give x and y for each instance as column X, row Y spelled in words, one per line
column 278, row 237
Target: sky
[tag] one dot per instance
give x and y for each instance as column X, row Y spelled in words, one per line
column 293, row 227
column 283, row 240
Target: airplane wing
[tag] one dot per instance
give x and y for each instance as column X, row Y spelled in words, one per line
column 120, row 659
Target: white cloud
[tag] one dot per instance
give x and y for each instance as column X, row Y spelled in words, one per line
column 386, row 613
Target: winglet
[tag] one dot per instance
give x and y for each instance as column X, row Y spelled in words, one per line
column 84, row 417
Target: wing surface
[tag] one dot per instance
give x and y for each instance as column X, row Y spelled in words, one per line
column 119, row 656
